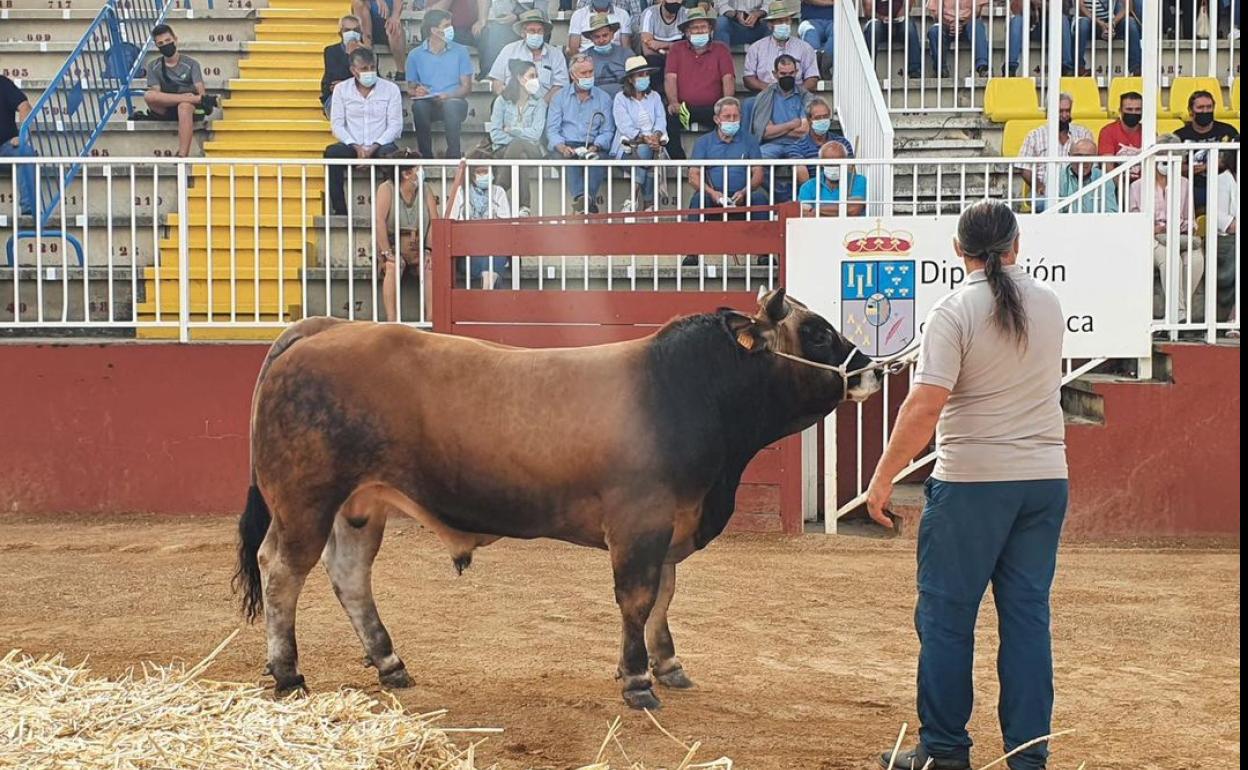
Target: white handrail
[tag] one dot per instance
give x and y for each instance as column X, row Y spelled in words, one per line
column 859, row 105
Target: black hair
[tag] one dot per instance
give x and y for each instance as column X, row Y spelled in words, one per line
column 986, row 232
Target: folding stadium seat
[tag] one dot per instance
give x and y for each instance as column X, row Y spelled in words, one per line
column 1182, row 88
column 1014, row 134
column 1231, row 110
column 1008, row 99
column 1119, row 86
column 1087, row 95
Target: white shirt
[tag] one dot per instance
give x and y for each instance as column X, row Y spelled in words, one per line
column 500, row 207
column 580, row 20
column 1228, row 201
column 652, row 21
column 364, row 120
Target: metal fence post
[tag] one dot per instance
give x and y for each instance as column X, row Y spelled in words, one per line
column 184, row 268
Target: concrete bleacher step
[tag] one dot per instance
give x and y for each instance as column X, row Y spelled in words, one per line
column 243, row 217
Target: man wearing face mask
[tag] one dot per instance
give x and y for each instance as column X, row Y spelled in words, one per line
column 366, row 116
column 175, row 87
column 578, row 40
column 1036, row 145
column 1124, row 136
column 660, row 30
column 439, row 78
column 1203, row 129
column 609, row 57
column 579, row 125
column 823, row 193
column 726, row 187
column 337, row 58
column 777, row 116
column 819, row 116
column 697, row 74
column 552, row 68
column 1078, row 174
column 740, row 22
column 760, row 57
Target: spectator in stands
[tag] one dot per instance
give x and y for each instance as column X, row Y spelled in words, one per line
column 634, row 9
column 382, row 20
column 1178, row 17
column 14, row 109
column 517, row 122
column 552, row 68
column 403, row 213
column 954, row 21
column 725, row 187
column 1191, row 260
column 888, row 23
column 493, row 30
column 740, row 22
column 464, row 16
column 822, row 193
column 485, row 200
column 640, row 127
column 580, row 125
column 818, row 30
column 1125, row 135
column 1036, row 23
column 439, row 79
column 1077, row 175
column 338, row 58
column 660, row 30
column 175, row 87
column 1201, row 128
column 1036, row 145
column 1228, row 230
column 761, row 56
column 1112, row 23
column 366, row 116
column 609, row 57
column 699, row 72
column 579, row 42
column 776, row 118
column 819, row 116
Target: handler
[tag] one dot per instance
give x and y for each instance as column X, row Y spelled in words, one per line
column 987, row 381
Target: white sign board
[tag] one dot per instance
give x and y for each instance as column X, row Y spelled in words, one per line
column 876, row 279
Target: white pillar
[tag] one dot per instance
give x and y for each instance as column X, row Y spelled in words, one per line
column 1053, row 94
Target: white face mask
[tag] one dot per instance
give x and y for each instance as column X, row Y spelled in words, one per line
column 533, row 86
column 832, row 174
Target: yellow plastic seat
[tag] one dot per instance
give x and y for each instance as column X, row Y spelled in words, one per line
column 1168, row 125
column 1087, row 96
column 1014, row 134
column 1095, row 125
column 1007, row 99
column 1181, row 89
column 1120, row 86
column 1231, row 110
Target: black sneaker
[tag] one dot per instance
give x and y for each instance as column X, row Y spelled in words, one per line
column 982, row 71
column 917, row 758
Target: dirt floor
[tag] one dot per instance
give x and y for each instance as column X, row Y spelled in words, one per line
column 802, row 648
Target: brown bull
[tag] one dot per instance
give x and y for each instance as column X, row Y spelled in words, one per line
column 635, row 447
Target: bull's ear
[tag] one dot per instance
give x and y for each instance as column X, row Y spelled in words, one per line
column 744, row 329
column 773, row 306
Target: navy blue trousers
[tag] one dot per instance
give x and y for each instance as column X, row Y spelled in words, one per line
column 972, row 535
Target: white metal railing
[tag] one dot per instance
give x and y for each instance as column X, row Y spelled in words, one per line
column 859, row 103
column 263, row 249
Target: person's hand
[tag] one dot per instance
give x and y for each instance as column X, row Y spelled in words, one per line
column 653, row 141
column 565, row 150
column 420, row 91
column 673, row 108
column 442, row 96
column 725, row 201
column 14, row 141
column 383, row 10
column 393, row 25
column 194, row 98
column 738, row 197
column 361, row 151
column 371, row 150
column 878, row 496
column 477, row 26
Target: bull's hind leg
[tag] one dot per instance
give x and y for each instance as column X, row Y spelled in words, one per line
column 637, row 562
column 348, row 559
column 284, row 565
column 663, row 661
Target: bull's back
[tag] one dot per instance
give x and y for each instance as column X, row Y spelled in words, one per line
column 488, row 438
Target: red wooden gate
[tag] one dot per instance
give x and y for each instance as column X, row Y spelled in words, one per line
column 770, row 496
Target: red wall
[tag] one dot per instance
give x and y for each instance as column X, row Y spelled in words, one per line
column 163, row 428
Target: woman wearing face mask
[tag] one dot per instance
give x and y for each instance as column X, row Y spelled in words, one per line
column 641, row 128
column 338, row 58
column 485, row 200
column 517, row 122
column 552, row 68
column 402, row 214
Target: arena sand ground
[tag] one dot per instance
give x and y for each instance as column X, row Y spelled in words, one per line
column 802, row 648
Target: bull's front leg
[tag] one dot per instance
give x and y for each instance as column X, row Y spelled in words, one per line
column 637, row 561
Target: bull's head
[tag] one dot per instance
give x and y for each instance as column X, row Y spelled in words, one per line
column 783, row 325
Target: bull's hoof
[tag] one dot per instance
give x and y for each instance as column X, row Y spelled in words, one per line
column 677, row 679
column 297, row 685
column 397, row 679
column 642, row 699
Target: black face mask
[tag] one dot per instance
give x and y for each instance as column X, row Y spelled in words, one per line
column 1131, row 120
column 786, row 82
column 1203, row 119
column 673, row 8
column 1063, row 126
column 168, row 49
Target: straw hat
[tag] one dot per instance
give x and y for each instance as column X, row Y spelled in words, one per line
column 599, row 21
column 781, row 9
column 695, row 14
column 528, row 17
column 636, row 64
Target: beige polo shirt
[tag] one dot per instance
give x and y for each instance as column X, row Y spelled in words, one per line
column 1003, row 420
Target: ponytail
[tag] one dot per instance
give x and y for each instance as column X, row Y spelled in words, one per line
column 986, row 232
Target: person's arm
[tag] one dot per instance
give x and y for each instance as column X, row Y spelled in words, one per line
column 197, row 80
column 576, row 25
column 23, row 112
column 394, row 118
column 773, row 130
column 1121, row 14
column 483, row 14
column 411, row 73
column 338, row 121
column 606, row 130
column 671, row 91
column 457, row 186
column 498, row 122
column 531, row 127
column 916, row 423
column 327, row 85
column 657, row 116
column 555, row 140
column 753, row 63
column 383, row 204
column 625, row 126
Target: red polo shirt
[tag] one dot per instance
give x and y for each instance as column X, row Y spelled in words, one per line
column 1114, row 137
column 699, row 76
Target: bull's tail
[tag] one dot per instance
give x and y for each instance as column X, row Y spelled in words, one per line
column 252, row 527
column 254, row 523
